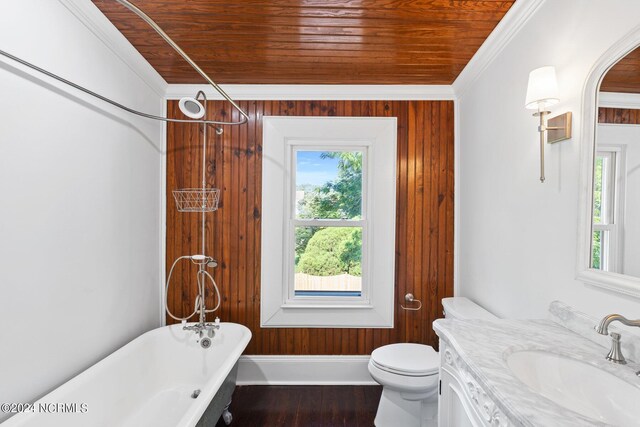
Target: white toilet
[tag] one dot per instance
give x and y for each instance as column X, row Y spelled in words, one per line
column 408, row 374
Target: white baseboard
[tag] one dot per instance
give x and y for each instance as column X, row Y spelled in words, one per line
column 304, row 370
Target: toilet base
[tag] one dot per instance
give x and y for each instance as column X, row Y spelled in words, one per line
column 403, row 409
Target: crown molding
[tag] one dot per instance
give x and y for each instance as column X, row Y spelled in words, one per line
column 619, row 100
column 95, row 21
column 318, row 92
column 510, row 25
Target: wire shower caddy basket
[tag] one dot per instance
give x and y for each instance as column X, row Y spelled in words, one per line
column 197, row 199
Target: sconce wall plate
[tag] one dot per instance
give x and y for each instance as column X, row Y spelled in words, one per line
column 559, row 128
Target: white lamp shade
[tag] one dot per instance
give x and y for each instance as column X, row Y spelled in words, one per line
column 542, row 90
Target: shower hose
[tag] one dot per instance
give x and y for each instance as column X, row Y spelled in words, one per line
column 201, row 278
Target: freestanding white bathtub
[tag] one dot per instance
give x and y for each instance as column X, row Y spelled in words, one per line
column 148, row 382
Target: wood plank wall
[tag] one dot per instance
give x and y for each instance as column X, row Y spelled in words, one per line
column 424, row 235
column 619, row 116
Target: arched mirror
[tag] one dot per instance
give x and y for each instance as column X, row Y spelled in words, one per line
column 609, row 251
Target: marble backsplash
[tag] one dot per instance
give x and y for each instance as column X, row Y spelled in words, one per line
column 584, row 325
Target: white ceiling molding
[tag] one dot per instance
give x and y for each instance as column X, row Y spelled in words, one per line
column 619, row 100
column 91, row 17
column 318, row 92
column 507, row 28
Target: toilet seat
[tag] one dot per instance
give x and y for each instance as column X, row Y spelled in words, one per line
column 407, row 359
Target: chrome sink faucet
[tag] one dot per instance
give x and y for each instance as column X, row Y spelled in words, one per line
column 615, row 354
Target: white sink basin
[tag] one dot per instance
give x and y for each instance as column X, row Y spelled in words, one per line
column 578, row 386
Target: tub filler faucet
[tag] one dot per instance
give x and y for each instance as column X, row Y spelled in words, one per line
column 205, row 331
column 615, row 354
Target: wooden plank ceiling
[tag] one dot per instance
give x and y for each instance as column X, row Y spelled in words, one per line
column 624, row 76
column 312, row 41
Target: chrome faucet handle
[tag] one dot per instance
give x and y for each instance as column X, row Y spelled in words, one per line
column 615, row 354
column 211, row 329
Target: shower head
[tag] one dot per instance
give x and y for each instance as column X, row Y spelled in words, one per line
column 191, row 107
column 203, row 260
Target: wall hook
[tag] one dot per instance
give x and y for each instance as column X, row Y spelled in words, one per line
column 411, row 298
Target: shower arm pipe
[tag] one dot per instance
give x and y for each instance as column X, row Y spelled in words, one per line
column 204, row 173
column 107, row 100
column 186, row 57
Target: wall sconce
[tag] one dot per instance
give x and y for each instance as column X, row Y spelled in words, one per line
column 542, row 92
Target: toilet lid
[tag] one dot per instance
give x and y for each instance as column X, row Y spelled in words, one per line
column 407, row 359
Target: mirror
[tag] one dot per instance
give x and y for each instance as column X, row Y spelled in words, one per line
column 608, row 252
column 615, row 187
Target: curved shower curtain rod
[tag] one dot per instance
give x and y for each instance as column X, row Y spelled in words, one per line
column 175, row 47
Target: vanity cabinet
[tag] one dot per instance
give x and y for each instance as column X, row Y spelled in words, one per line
column 462, row 402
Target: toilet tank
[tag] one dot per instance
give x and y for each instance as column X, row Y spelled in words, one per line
column 463, row 308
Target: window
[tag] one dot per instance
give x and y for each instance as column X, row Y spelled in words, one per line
column 328, row 223
column 607, row 208
column 326, row 183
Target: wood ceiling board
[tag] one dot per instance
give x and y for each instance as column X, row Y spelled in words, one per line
column 312, row 41
column 624, row 76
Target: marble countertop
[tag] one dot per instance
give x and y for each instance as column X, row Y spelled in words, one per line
column 484, row 345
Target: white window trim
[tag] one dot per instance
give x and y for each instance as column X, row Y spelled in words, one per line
column 612, row 245
column 377, row 137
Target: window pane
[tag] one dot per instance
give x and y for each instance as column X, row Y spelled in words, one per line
column 328, row 184
column 600, row 250
column 597, row 191
column 596, row 250
column 328, row 261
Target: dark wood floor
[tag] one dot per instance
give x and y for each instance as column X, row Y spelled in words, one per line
column 304, row 406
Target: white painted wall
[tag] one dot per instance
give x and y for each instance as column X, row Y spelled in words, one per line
column 518, row 242
column 628, row 136
column 80, row 203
